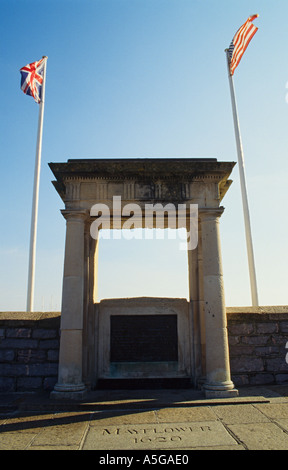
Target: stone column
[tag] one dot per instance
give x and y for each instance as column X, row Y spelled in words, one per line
column 218, row 380
column 90, row 298
column 196, row 306
column 70, row 383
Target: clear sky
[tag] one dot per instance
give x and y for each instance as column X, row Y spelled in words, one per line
column 144, row 78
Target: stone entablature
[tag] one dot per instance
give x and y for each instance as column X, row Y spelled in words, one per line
column 82, row 183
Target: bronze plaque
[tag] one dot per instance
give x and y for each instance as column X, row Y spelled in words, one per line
column 143, row 338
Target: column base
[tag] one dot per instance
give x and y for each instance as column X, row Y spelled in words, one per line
column 68, row 392
column 220, row 390
column 221, row 393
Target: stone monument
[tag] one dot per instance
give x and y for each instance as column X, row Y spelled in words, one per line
column 143, row 338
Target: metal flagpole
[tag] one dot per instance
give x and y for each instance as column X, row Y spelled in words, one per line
column 252, row 271
column 34, row 217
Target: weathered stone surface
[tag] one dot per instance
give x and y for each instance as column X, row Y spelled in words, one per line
column 258, row 333
column 261, row 379
column 241, row 329
column 230, row 414
column 190, row 414
column 29, row 349
column 176, row 435
column 238, row 425
column 261, row 436
column 273, row 410
column 44, row 333
column 7, row 355
column 263, row 328
column 29, row 383
column 18, row 333
column 69, row 434
column 16, row 441
column 246, row 364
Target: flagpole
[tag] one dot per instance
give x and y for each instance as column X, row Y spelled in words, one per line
column 250, row 253
column 34, row 216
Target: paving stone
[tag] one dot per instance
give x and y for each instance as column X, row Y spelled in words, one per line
column 236, row 447
column 16, row 440
column 256, row 424
column 180, row 435
column 231, row 414
column 25, row 424
column 65, row 435
column 282, row 423
column 190, row 414
column 56, row 447
column 122, row 417
column 261, row 436
column 273, row 410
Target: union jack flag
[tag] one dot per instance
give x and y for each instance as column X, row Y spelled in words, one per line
column 32, row 79
column 240, row 42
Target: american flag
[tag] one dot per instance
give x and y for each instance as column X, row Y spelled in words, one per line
column 32, row 79
column 240, row 42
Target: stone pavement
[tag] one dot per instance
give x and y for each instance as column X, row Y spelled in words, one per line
column 147, row 420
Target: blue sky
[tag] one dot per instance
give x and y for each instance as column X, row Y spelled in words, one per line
column 143, row 78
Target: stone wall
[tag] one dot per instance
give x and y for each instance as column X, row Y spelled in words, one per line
column 29, row 348
column 257, row 345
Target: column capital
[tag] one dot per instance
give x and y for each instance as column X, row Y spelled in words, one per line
column 77, row 214
column 210, row 214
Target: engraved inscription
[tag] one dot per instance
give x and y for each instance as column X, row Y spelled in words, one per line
column 159, row 435
column 153, row 430
column 156, row 434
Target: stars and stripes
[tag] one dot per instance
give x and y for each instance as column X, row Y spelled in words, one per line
column 32, row 79
column 240, row 42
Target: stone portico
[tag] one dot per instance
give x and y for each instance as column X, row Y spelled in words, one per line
column 90, row 330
